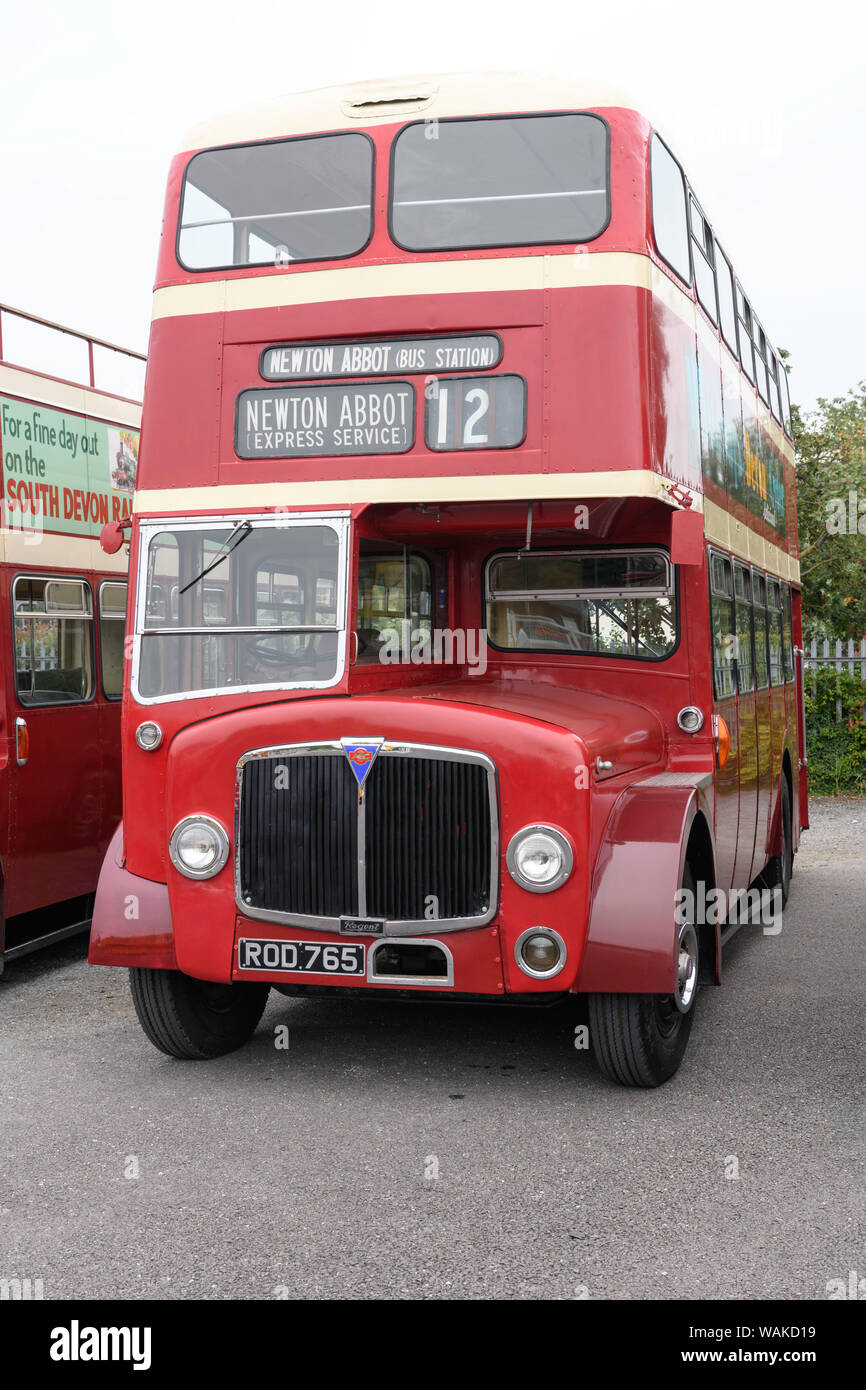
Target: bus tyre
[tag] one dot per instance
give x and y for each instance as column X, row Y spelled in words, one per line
column 777, row 874
column 195, row 1019
column 640, row 1039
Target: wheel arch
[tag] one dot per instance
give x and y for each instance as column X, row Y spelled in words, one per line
column 647, row 841
column 131, row 923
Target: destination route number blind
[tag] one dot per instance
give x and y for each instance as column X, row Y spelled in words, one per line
column 327, row 418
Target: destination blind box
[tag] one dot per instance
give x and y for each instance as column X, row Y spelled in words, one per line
column 380, row 357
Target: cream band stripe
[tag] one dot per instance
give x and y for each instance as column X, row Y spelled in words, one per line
column 49, row 550
column 577, row 270
column 719, row 526
column 63, row 395
column 475, row 276
column 483, row 487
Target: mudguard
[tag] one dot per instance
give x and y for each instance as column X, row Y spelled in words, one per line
column 632, row 937
column 131, row 916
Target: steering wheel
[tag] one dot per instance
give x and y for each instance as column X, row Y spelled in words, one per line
column 257, row 648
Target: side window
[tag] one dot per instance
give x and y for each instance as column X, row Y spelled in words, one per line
column 786, row 399
column 744, row 327
column 774, row 632
column 53, row 640
column 761, row 361
column 743, row 599
column 670, row 225
column 112, row 622
column 787, row 630
column 773, row 374
column 727, row 311
column 395, row 599
column 702, row 258
column 762, row 667
column 722, row 612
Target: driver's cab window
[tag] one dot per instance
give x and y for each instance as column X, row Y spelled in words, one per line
column 395, row 601
column 53, row 640
column 240, row 604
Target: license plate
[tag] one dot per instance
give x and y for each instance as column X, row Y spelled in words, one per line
column 362, row 926
column 301, row 957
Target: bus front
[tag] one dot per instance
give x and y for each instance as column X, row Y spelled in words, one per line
column 408, row 620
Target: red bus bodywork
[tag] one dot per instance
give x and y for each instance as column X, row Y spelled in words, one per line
column 620, row 362
column 61, row 755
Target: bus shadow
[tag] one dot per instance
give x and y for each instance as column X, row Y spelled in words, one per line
column 390, row 1039
column 24, row 970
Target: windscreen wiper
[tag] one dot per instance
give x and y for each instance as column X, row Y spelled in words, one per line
column 244, row 527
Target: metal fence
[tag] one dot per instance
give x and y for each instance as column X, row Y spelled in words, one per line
column 37, row 344
column 850, row 655
column 843, row 655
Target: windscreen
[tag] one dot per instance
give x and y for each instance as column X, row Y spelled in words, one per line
column 273, row 203
column 239, row 606
column 500, row 181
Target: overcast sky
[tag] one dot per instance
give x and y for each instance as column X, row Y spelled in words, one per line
column 765, row 104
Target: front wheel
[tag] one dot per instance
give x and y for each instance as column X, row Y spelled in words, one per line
column 777, row 874
column 195, row 1019
column 640, row 1039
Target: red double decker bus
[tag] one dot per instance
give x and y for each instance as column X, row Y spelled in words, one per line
column 464, row 563
column 69, row 430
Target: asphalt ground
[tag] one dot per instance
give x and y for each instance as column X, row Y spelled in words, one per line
column 414, row 1150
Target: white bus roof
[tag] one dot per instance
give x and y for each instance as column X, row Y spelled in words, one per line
column 395, row 98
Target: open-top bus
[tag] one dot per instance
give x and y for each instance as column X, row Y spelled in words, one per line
column 464, row 562
column 69, row 445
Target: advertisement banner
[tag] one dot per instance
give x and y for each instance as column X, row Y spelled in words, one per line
column 73, row 473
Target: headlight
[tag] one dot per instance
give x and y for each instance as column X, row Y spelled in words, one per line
column 539, row 858
column 199, row 847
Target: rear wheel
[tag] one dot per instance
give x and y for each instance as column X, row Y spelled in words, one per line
column 195, row 1019
column 640, row 1039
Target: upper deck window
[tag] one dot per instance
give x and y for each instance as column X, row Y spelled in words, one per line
column 702, row 257
column 670, row 220
column 725, row 283
column 309, row 199
column 499, row 181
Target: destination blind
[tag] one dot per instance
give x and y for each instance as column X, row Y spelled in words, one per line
column 384, row 357
column 328, row 420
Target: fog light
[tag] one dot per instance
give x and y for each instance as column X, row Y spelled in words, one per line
column 540, row 952
column 199, row 847
column 148, row 735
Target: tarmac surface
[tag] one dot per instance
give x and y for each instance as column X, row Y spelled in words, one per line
column 414, row 1150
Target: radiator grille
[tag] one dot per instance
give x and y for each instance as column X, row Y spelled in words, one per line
column 428, row 836
column 298, row 835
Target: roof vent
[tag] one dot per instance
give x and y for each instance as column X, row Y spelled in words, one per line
column 385, row 99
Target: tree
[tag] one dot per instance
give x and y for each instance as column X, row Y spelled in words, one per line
column 831, row 512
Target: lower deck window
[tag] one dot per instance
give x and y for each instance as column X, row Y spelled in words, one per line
column 112, row 621
column 394, row 602
column 53, row 640
column 602, row 603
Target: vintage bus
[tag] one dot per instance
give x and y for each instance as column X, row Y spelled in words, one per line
column 464, row 561
column 69, row 430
